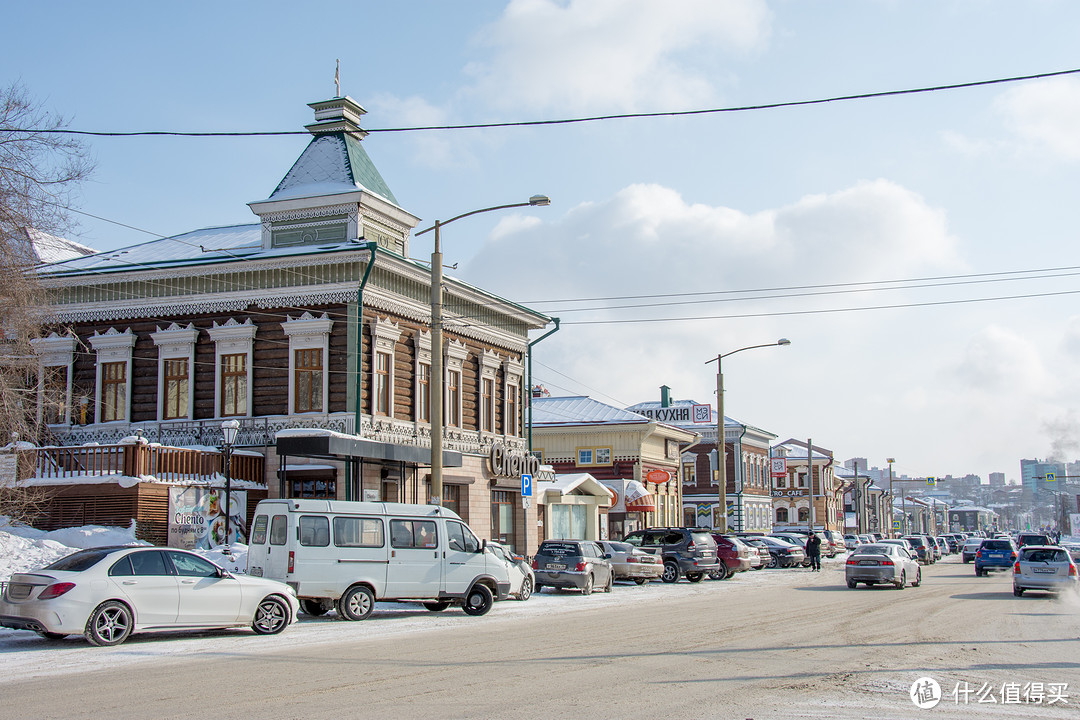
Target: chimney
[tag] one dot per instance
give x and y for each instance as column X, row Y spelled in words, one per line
column 665, row 396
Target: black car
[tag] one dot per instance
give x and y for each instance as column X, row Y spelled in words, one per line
column 1033, row 539
column 578, row 564
column 923, row 550
column 686, row 551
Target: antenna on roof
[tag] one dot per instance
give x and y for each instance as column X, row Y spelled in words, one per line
column 337, row 78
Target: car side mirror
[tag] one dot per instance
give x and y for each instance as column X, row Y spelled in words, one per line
column 483, row 546
column 607, row 556
column 224, row 574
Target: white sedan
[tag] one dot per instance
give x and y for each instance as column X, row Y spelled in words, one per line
column 110, row 592
column 522, row 579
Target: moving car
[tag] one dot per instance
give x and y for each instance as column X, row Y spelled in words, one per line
column 970, row 547
column 577, row 564
column 1043, row 567
column 630, row 563
column 997, row 554
column 108, row 593
column 521, row 575
column 882, row 563
column 942, row 546
column 684, row 551
column 1033, row 539
column 924, row 550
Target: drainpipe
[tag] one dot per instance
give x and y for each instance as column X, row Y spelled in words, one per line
column 740, row 478
column 373, row 248
column 529, row 350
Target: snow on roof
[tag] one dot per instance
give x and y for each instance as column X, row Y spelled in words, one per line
column 331, row 164
column 46, row 248
column 579, row 410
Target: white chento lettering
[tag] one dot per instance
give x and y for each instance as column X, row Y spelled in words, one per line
column 506, row 464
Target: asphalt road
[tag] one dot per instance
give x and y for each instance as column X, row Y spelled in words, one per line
column 775, row 644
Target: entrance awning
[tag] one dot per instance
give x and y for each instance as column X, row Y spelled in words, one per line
column 337, row 446
column 638, row 499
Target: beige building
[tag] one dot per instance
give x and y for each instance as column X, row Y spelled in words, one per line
column 637, row 458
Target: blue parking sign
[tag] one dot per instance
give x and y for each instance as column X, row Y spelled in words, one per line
column 526, row 485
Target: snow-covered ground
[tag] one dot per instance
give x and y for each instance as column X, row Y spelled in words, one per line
column 23, row 654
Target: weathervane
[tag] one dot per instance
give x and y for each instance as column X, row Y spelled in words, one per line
column 337, row 78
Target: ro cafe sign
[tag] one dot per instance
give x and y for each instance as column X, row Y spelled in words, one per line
column 512, row 464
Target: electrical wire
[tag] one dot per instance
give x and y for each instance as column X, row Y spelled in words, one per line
column 568, row 121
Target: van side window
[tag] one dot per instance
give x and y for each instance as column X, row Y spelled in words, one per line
column 314, row 530
column 258, row 530
column 279, row 530
column 459, row 537
column 358, row 532
column 413, row 534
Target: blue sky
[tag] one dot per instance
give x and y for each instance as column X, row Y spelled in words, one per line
column 951, row 183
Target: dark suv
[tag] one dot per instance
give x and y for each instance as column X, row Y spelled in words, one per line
column 686, row 551
column 578, row 564
column 1033, row 539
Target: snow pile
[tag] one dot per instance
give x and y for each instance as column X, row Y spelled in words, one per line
column 23, row 548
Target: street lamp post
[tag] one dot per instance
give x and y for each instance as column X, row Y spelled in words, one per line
column 721, row 440
column 437, row 380
column 229, row 428
column 892, row 498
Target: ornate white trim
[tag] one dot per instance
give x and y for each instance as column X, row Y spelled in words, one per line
column 175, row 343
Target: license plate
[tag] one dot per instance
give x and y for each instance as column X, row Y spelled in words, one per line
column 556, row 566
column 1045, row 571
column 256, row 571
column 868, row 562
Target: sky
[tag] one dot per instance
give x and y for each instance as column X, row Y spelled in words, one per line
column 917, row 249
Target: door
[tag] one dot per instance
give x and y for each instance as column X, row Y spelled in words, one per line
column 464, row 561
column 276, row 565
column 415, row 567
column 147, row 581
column 205, row 598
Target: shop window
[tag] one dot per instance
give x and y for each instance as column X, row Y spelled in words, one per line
column 502, row 517
column 568, row 521
column 451, row 499
column 324, row 488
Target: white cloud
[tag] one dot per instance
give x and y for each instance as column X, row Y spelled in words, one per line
column 999, row 363
column 431, row 149
column 613, row 55
column 1044, row 116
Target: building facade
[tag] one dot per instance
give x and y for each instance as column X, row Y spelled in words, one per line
column 808, row 493
column 312, row 328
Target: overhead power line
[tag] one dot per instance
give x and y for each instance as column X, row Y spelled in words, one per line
column 570, row 121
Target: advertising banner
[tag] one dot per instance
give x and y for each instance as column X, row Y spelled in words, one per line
column 197, row 517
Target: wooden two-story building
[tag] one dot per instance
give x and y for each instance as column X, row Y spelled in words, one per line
column 312, row 328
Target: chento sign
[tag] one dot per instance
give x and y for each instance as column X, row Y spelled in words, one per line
column 505, row 463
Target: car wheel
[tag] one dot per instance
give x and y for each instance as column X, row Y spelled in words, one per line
column 316, row 608
column 918, row 579
column 610, row 583
column 671, row 572
column 357, row 603
column 966, row 560
column 852, row 584
column 437, row 606
column 478, row 601
column 903, row 580
column 641, row 581
column 1018, row 592
column 51, row 635
column 978, row 571
column 717, row 574
column 109, row 624
column 695, row 577
column 587, row 588
column 526, row 589
column 271, row 617
column 773, row 562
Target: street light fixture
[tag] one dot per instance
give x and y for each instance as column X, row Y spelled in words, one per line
column 437, row 379
column 229, row 428
column 721, row 441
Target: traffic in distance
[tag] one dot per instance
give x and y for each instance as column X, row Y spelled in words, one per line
column 320, row 558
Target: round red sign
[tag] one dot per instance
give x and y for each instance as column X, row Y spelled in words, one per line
column 658, row 476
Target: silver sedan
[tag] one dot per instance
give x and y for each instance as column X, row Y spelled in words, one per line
column 1044, row 567
column 880, row 564
column 108, row 593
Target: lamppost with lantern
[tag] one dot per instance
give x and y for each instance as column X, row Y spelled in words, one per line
column 229, row 428
column 721, row 440
column 437, row 379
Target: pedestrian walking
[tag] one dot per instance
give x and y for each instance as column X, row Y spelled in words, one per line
column 813, row 551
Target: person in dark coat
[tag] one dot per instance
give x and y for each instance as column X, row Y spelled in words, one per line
column 813, row 551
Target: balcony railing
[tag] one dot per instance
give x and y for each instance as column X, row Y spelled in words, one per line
column 170, row 464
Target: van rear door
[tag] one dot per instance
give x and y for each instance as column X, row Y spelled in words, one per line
column 415, row 568
column 267, row 550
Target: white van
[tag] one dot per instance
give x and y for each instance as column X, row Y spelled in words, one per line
column 349, row 555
